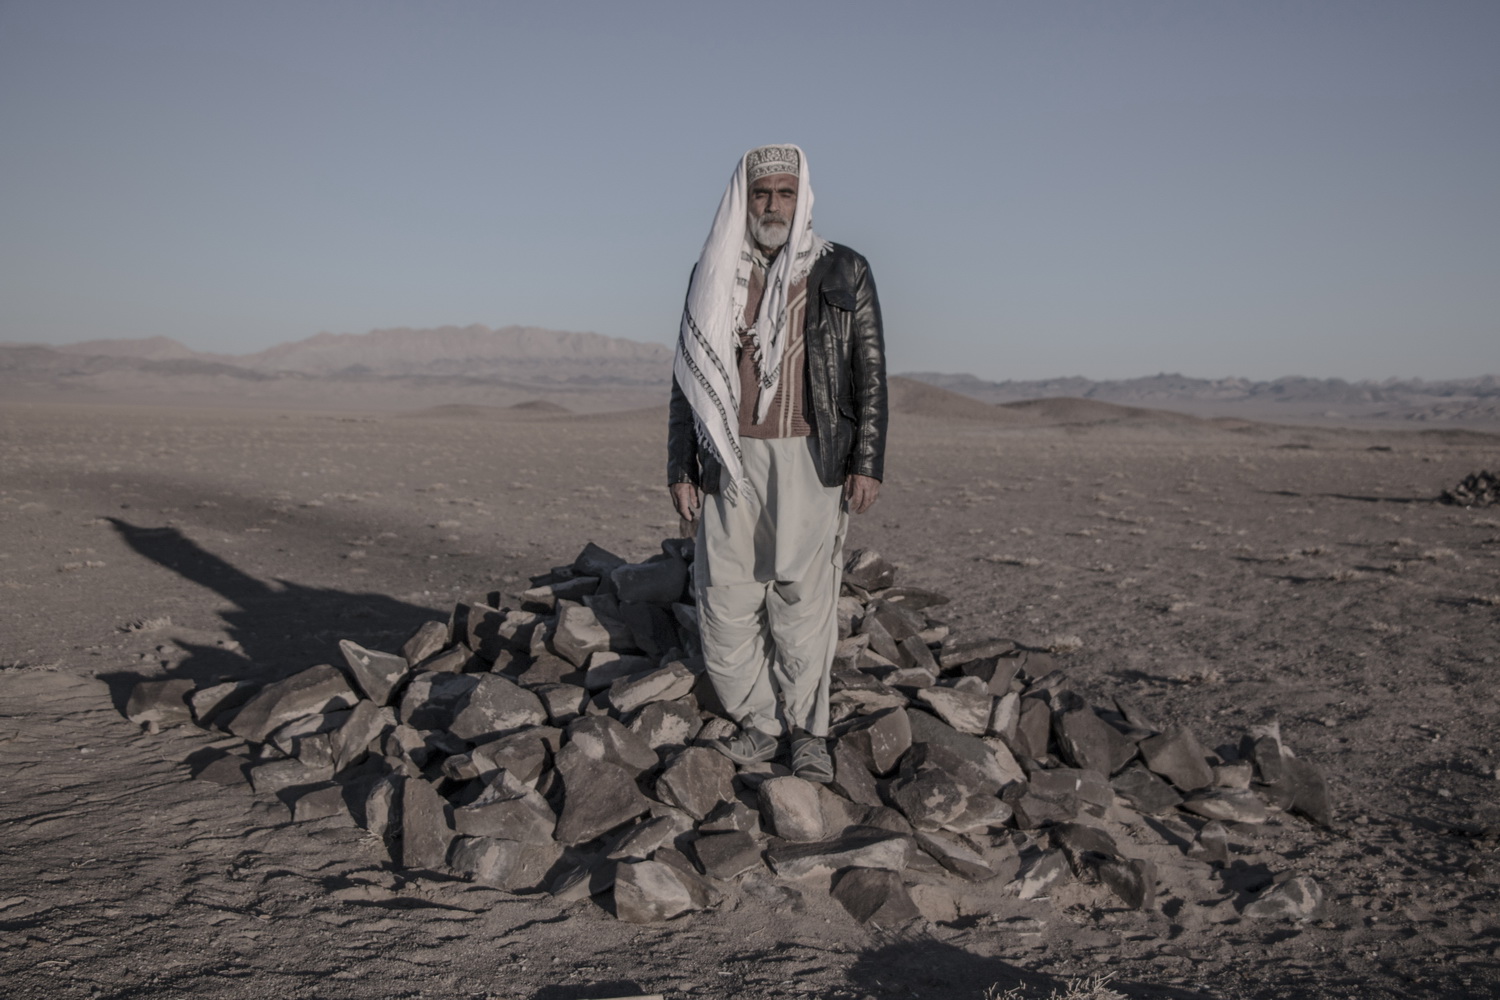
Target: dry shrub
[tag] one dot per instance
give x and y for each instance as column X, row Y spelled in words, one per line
column 1063, row 644
column 1086, row 988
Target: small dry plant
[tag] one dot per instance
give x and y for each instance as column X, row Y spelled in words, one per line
column 1087, row 988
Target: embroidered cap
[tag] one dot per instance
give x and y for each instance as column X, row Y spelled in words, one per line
column 765, row 160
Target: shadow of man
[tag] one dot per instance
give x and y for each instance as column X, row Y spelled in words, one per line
column 276, row 628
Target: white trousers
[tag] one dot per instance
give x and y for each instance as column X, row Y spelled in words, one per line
column 766, row 571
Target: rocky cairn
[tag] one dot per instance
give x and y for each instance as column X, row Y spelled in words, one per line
column 1477, row 489
column 560, row 746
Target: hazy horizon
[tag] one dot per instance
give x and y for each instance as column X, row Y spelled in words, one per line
column 1111, row 188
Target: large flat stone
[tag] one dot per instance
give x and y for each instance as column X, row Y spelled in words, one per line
column 966, row 711
column 651, row 891
column 867, row 570
column 496, row 707
column 1087, row 741
column 360, row 730
column 313, row 691
column 603, row 738
column 432, row 698
column 425, row 831
column 154, row 704
column 606, row 667
column 1297, row 899
column 1177, row 756
column 1146, row 792
column 727, row 855
column 862, row 847
column 667, row 723
column 881, row 741
column 579, row 634
column 598, row 796
column 660, row 580
column 636, row 690
column 504, row 864
column 509, row 809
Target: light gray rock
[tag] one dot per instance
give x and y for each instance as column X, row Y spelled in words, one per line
column 313, row 691
column 579, row 635
column 504, row 864
column 1310, row 797
column 1040, row 873
column 641, row 841
column 274, row 775
column 1177, row 756
column 603, row 738
column 1211, row 845
column 562, row 702
column 875, row 896
column 667, row 723
column 965, row 711
column 1295, row 899
column 154, row 704
column 863, row 847
column 553, row 595
column 651, row 891
column 955, row 854
column 666, row 684
column 791, row 806
column 382, row 810
column 729, row 817
column 1231, row 805
column 496, row 707
column 1087, row 741
column 930, row 799
column 696, row 781
column 522, row 755
column 425, row 831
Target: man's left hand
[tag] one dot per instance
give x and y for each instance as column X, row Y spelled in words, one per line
column 860, row 492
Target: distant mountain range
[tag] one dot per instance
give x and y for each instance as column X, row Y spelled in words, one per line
column 398, row 368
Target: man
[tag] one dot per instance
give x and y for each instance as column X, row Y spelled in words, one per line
column 777, row 429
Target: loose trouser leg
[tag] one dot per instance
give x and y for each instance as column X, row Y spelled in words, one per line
column 737, row 648
column 805, row 635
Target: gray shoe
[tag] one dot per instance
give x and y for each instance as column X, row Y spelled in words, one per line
column 810, row 758
column 748, row 746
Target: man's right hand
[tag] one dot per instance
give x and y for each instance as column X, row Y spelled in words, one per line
column 687, row 498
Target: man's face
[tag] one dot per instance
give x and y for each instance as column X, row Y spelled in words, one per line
column 773, row 199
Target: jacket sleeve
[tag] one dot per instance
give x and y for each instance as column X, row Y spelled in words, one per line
column 867, row 356
column 682, row 440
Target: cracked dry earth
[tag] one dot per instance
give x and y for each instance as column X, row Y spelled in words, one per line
column 1217, row 573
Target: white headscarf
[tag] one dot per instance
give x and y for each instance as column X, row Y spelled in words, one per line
column 705, row 364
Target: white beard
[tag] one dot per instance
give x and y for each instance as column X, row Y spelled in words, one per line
column 770, row 231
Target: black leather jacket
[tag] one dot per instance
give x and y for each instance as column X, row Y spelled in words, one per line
column 845, row 374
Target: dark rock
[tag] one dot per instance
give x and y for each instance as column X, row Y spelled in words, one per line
column 881, row 740
column 226, row 770
column 596, row 562
column 727, row 855
column 865, row 569
column 360, row 730
column 660, row 580
column 862, row 847
column 996, row 671
column 914, row 598
column 154, row 704
column 425, row 831
column 550, row 596
column 880, row 641
column 1091, row 787
column 729, row 817
column 1309, row 790
column 851, row 776
column 509, row 809
column 496, row 707
column 425, row 642
column 653, row 628
column 311, row 692
column 219, row 700
column 900, row 622
column 599, row 795
column 792, row 807
column 956, row 654
column 432, row 699
column 875, row 896
column 607, row 667
column 955, row 854
column 522, row 755
column 504, row 864
column 1033, row 727
column 1087, row 741
column 1178, row 757
column 696, row 781
column 548, row 669
column 916, row 656
column 456, row 660
column 1145, row 791
column 1033, row 810
column 641, row 841
column 1082, row 844
column 931, row 798
column 1131, row 879
column 562, row 702
column 375, row 674
column 324, row 801
column 927, row 728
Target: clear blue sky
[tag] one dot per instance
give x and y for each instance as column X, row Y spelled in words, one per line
column 1048, row 188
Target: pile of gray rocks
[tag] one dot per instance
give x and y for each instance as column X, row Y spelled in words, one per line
column 1478, row 489
column 561, row 745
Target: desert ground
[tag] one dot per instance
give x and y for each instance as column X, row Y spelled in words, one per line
column 1216, row 572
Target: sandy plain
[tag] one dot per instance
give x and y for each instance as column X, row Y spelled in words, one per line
column 1216, row 572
